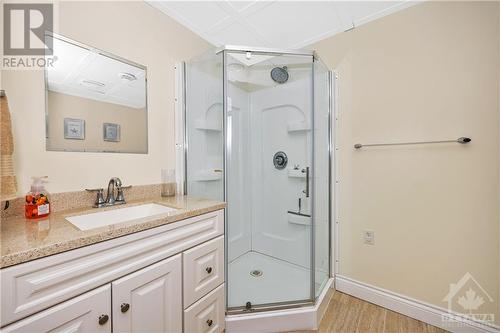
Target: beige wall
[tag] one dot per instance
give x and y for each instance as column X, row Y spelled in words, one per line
column 132, row 121
column 130, row 29
column 429, row 72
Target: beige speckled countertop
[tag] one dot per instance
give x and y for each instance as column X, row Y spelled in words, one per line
column 23, row 240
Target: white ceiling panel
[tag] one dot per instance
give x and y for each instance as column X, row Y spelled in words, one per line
column 279, row 24
column 240, row 5
column 237, row 33
column 201, row 14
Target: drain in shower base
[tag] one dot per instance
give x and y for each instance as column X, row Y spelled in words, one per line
column 256, row 273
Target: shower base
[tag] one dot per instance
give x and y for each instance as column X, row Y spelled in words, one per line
column 295, row 319
column 260, row 279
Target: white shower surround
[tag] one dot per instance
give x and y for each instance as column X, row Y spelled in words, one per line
column 258, row 122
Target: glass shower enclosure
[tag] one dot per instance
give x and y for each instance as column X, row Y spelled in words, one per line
column 258, row 136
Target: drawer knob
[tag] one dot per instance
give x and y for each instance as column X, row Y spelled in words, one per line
column 103, row 319
column 209, row 270
column 209, row 322
column 124, row 307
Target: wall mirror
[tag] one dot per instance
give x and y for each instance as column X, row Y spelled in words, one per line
column 95, row 101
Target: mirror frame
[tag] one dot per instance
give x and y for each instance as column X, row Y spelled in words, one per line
column 105, row 54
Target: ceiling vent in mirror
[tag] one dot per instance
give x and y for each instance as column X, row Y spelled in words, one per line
column 127, row 76
column 91, row 84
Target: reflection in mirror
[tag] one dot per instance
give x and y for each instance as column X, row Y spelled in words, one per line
column 95, row 101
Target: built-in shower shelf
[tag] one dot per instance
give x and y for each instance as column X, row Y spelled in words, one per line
column 296, row 173
column 202, row 124
column 209, row 175
column 299, row 127
column 299, row 218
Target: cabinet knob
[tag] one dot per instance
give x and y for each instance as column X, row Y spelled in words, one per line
column 209, row 270
column 103, row 319
column 209, row 322
column 124, row 307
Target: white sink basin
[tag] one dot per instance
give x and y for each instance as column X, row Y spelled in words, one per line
column 108, row 217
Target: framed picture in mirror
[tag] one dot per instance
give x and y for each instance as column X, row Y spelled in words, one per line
column 111, row 132
column 74, row 129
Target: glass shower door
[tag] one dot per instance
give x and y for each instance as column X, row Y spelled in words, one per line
column 269, row 179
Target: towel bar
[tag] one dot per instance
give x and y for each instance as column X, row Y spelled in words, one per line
column 462, row 140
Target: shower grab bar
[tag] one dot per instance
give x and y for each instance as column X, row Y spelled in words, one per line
column 306, row 191
column 462, row 140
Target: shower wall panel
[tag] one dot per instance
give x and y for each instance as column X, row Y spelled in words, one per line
column 280, row 121
column 238, row 171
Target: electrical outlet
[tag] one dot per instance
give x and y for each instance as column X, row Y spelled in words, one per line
column 369, row 237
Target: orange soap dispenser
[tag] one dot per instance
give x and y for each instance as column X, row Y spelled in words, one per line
column 37, row 203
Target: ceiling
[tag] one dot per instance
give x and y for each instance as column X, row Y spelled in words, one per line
column 276, row 24
column 85, row 73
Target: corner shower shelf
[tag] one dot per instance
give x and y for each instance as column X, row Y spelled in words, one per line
column 204, row 125
column 299, row 218
column 302, row 126
column 296, row 173
column 208, row 176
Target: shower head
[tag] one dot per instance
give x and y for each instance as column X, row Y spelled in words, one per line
column 279, row 74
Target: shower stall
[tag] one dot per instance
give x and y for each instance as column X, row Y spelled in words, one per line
column 257, row 134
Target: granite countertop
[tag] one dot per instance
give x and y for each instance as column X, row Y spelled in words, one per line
column 23, row 240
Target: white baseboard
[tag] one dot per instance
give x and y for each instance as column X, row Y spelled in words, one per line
column 411, row 307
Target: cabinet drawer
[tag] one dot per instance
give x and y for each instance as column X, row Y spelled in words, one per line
column 203, row 269
column 80, row 314
column 39, row 284
column 206, row 315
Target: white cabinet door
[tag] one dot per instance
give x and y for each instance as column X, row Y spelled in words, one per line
column 149, row 300
column 87, row 313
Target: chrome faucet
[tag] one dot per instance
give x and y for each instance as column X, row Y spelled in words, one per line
column 111, row 200
column 114, row 184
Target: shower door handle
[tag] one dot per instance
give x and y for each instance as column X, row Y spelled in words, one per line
column 306, row 191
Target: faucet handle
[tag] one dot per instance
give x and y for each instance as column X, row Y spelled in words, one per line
column 99, row 201
column 119, row 196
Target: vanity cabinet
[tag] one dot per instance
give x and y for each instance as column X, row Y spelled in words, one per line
column 165, row 279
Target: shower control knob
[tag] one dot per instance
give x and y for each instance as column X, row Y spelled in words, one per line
column 280, row 160
column 209, row 270
column 209, row 322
